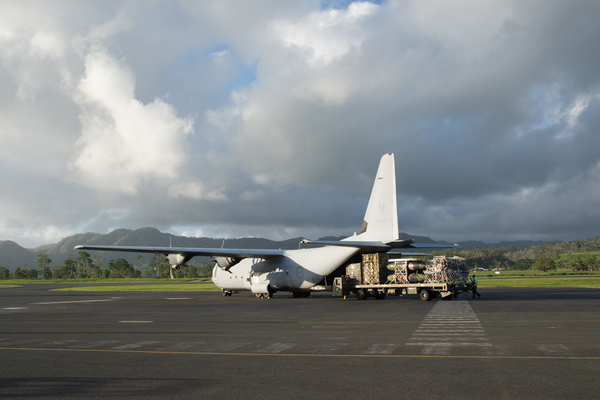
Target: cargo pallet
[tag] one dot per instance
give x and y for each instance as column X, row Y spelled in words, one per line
column 426, row 291
column 445, row 277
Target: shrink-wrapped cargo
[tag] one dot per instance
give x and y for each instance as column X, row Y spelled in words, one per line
column 373, row 268
column 440, row 269
column 354, row 273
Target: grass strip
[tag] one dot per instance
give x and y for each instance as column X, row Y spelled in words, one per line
column 164, row 287
column 9, row 286
column 109, row 280
column 587, row 282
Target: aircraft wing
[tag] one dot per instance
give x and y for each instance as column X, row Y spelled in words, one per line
column 432, row 246
column 379, row 247
column 189, row 251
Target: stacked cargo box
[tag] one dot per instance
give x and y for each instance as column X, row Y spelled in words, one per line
column 370, row 272
column 373, row 268
column 354, row 273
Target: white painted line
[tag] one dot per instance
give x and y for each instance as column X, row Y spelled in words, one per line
column 449, row 325
column 381, row 349
column 136, row 322
column 93, row 344
column 554, row 348
column 19, row 342
column 227, row 346
column 72, row 301
column 328, row 348
column 450, row 331
column 135, row 345
column 462, row 334
column 436, row 350
column 181, row 346
column 52, row 343
column 276, row 348
column 449, row 344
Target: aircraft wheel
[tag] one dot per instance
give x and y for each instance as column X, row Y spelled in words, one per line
column 361, row 294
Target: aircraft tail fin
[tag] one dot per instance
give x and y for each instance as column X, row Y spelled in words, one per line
column 381, row 218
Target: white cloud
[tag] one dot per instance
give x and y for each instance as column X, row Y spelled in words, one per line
column 196, row 191
column 123, row 141
column 46, row 235
column 269, row 118
column 328, row 35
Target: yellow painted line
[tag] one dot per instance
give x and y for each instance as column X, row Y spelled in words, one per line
column 201, row 353
column 570, row 321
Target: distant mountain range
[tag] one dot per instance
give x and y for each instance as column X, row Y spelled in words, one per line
column 13, row 256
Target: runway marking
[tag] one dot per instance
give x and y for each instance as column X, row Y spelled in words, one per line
column 18, row 342
column 205, row 353
column 54, row 343
column 227, row 346
column 73, row 301
column 94, row 344
column 554, row 348
column 136, row 322
column 328, row 348
column 135, row 345
column 15, row 308
column 380, row 349
column 179, row 298
column 449, row 325
column 276, row 348
column 180, row 346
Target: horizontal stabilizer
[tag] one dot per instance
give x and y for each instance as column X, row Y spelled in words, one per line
column 373, row 247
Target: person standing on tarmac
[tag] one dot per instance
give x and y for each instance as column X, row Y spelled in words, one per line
column 474, row 286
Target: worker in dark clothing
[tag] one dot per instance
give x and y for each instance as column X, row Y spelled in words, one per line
column 474, row 286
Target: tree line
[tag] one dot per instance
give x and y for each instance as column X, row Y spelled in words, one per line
column 84, row 266
column 577, row 255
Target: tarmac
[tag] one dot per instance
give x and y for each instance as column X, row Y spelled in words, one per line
column 510, row 343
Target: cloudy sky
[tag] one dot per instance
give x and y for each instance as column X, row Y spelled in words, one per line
column 268, row 118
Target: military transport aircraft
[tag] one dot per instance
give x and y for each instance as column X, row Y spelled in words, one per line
column 264, row 272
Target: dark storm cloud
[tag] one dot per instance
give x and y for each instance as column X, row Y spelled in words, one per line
column 268, row 119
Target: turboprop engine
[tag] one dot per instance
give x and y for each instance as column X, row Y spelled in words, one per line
column 177, row 260
column 260, row 284
column 226, row 262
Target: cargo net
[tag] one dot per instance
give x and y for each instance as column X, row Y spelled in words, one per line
column 373, row 266
column 439, row 270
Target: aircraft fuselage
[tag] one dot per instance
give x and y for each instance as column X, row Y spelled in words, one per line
column 295, row 269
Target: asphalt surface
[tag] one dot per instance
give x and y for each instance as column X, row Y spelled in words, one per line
column 510, row 343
